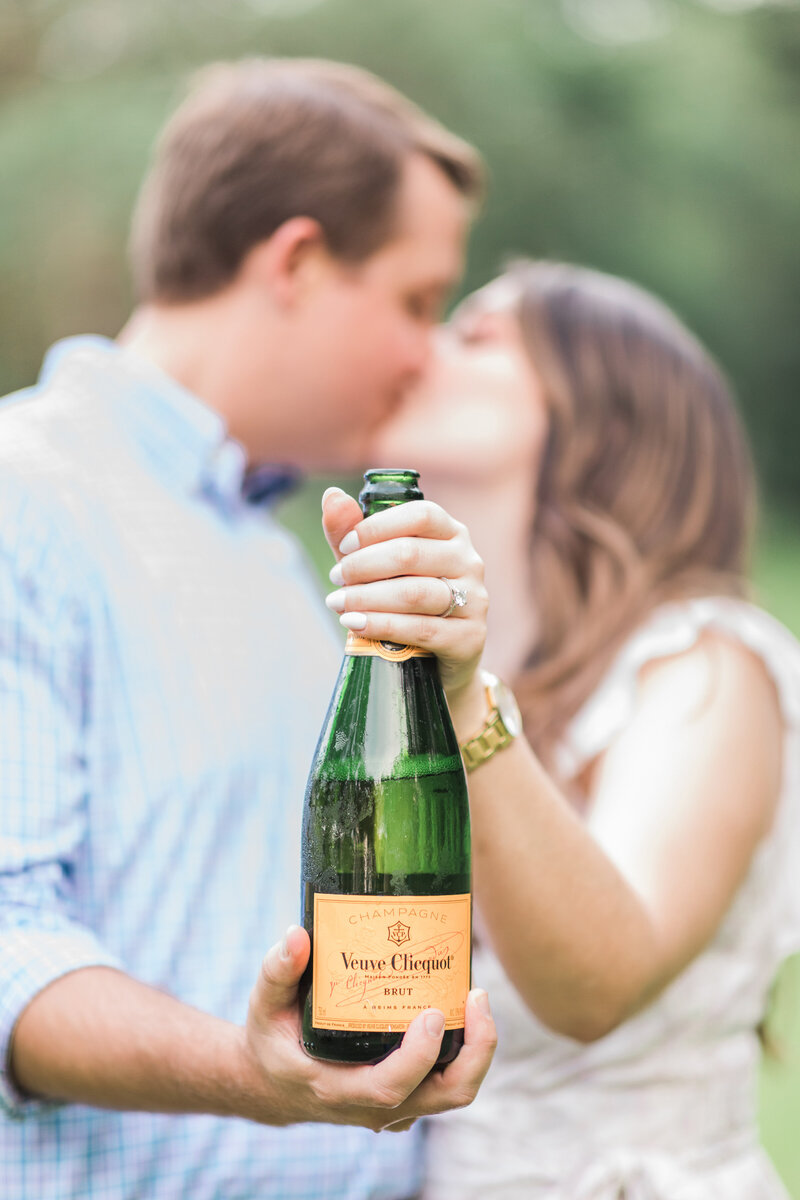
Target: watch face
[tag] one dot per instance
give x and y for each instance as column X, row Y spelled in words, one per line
column 508, row 708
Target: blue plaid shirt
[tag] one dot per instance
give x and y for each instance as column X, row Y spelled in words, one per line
column 164, row 667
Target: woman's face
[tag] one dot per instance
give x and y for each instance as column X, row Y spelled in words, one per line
column 478, row 415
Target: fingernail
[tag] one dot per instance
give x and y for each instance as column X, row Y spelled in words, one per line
column 353, row 620
column 434, row 1024
column 335, row 575
column 329, row 492
column 285, row 943
column 481, row 1000
column 349, row 543
column 335, row 601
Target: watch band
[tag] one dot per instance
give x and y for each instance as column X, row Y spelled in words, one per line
column 491, row 738
column 495, row 733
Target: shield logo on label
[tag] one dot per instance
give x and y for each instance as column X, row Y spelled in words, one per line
column 399, row 933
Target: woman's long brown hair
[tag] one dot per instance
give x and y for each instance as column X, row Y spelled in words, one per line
column 646, row 490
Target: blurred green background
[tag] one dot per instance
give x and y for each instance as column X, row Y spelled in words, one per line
column 658, row 139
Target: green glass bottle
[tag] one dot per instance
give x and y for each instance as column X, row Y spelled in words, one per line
column 386, row 848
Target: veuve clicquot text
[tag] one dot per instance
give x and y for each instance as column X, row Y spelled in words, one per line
column 386, row 848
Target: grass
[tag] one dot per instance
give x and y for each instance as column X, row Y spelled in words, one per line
column 779, row 1091
column 777, row 577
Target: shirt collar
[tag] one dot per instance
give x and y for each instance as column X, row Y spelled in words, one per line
column 184, row 440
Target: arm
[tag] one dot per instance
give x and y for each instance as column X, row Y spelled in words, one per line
column 589, row 920
column 592, row 922
column 98, row 1037
column 44, row 778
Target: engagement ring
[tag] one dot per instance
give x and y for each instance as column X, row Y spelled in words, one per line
column 458, row 597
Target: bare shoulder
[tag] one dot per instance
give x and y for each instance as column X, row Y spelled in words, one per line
column 688, row 789
column 718, row 671
column 721, row 694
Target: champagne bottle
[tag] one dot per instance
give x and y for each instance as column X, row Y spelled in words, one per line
column 386, row 848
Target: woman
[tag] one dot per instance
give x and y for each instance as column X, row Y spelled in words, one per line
column 634, row 853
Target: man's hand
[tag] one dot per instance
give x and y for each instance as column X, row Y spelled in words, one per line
column 289, row 1086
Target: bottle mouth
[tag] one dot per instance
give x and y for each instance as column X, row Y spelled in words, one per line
column 390, row 473
column 385, row 487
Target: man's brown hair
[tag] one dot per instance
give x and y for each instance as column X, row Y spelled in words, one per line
column 260, row 141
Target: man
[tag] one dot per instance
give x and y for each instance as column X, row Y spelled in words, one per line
column 164, row 665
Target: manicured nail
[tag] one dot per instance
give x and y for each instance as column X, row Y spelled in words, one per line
column 349, row 543
column 434, row 1024
column 481, row 999
column 330, row 492
column 335, row 601
column 335, row 575
column 353, row 620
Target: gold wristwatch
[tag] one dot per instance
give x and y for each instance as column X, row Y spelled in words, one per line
column 503, row 724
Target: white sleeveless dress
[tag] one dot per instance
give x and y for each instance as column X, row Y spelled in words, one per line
column 663, row 1108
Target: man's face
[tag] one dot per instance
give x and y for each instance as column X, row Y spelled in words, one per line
column 365, row 329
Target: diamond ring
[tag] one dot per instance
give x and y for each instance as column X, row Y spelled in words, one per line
column 458, row 597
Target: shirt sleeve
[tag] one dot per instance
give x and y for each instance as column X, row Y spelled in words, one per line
column 45, row 692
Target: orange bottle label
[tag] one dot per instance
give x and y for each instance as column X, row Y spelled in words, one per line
column 391, row 651
column 381, row 960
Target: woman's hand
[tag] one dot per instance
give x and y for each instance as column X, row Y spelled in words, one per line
column 390, row 571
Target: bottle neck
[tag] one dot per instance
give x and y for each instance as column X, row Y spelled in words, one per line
column 388, row 719
column 386, row 488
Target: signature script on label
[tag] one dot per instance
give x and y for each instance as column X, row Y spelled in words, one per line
column 358, row 988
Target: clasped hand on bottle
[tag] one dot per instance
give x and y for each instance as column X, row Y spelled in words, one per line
column 288, row 1086
column 391, row 574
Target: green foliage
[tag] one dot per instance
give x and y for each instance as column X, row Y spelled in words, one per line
column 671, row 159
column 777, row 569
column 779, row 1098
